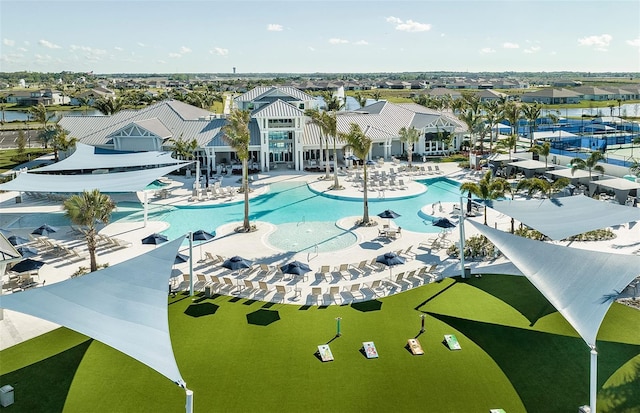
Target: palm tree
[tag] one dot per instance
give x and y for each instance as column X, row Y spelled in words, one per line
column 237, row 135
column 317, row 119
column 511, row 112
column 109, row 106
column 532, row 113
column 486, row 189
column 507, row 143
column 61, row 141
column 362, row 99
column 409, row 136
column 492, row 116
column 635, row 167
column 544, row 150
column 360, row 145
column 86, row 209
column 535, row 185
column 39, row 114
column 590, row 164
column 469, row 112
column 330, row 128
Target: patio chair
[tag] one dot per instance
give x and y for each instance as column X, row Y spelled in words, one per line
column 264, row 288
column 316, row 292
column 334, row 292
column 353, row 290
column 362, row 268
column 324, row 272
column 437, row 170
column 375, row 287
column 281, row 291
column 343, row 270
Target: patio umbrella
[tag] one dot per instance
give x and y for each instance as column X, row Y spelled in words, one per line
column 202, row 235
column 389, row 214
column 295, row 268
column 181, row 258
column 27, row 251
column 390, row 259
column 16, row 240
column 155, row 239
column 443, row 223
column 27, row 265
column 236, row 263
column 44, row 230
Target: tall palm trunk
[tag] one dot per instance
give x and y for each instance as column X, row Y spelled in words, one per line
column 91, row 247
column 245, row 188
column 365, row 213
column 326, row 158
column 336, row 183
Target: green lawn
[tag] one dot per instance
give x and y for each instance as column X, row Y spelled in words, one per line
column 240, row 355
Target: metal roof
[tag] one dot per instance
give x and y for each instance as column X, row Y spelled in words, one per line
column 154, row 126
column 276, row 109
column 261, row 92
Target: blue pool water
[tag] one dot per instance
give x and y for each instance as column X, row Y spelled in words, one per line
column 293, row 202
column 304, row 219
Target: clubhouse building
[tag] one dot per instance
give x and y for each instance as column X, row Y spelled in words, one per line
column 282, row 136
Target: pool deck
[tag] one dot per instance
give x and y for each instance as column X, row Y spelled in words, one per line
column 16, row 327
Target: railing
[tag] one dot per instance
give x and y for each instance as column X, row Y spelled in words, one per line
column 301, row 222
column 315, row 251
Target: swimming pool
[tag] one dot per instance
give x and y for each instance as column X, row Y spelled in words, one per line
column 294, row 202
column 311, row 237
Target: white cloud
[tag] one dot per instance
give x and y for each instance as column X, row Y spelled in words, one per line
column 600, row 43
column 634, row 42
column 361, row 43
column 532, row 49
column 23, row 49
column 184, row 50
column 274, row 27
column 48, row 44
column 162, row 62
column 8, row 42
column 26, row 43
column 118, row 48
column 509, row 45
column 409, row 25
column 487, row 50
column 141, row 44
column 335, row 40
column 175, row 55
column 219, row 51
column 312, row 49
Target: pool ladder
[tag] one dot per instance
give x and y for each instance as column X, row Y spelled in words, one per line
column 301, row 222
column 315, row 250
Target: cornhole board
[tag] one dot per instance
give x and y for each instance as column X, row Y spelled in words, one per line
column 415, row 347
column 452, row 342
column 497, row 411
column 370, row 350
column 325, row 352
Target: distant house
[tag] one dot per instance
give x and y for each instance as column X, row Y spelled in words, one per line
column 594, row 93
column 486, row 95
column 551, row 96
column 91, row 95
column 35, row 97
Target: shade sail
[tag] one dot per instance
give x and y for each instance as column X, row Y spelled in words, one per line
column 131, row 181
column 124, row 306
column 529, row 164
column 85, row 158
column 559, row 218
column 580, row 284
column 566, row 173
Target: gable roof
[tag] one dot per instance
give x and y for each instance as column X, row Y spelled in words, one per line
column 261, row 92
column 276, row 109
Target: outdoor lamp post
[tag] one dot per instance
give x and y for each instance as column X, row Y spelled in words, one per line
column 338, row 333
column 422, row 316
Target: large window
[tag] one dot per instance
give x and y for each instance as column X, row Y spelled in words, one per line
column 280, row 123
column 281, row 146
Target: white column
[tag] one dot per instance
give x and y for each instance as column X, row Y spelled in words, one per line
column 189, row 404
column 146, row 208
column 461, row 225
column 3, row 269
column 191, row 264
column 593, row 382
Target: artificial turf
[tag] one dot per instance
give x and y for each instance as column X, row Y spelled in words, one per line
column 241, row 355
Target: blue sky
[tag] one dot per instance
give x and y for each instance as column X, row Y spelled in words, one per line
column 306, row 36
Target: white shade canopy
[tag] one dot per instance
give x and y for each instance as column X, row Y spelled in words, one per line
column 124, row 306
column 85, row 158
column 559, row 218
column 131, row 181
column 580, row 284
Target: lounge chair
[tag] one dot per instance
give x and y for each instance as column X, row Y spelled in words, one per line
column 343, row 270
column 375, row 287
column 324, row 272
column 353, row 290
column 334, row 292
column 316, row 292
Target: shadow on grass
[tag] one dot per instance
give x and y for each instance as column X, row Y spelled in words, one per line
column 622, row 391
column 519, row 293
column 44, row 386
column 366, row 306
column 550, row 372
column 201, row 309
column 263, row 317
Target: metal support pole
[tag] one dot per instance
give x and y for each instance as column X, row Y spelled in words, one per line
column 189, row 404
column 146, row 209
column 461, row 225
column 593, row 382
column 191, row 264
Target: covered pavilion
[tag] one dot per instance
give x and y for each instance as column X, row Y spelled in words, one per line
column 529, row 166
